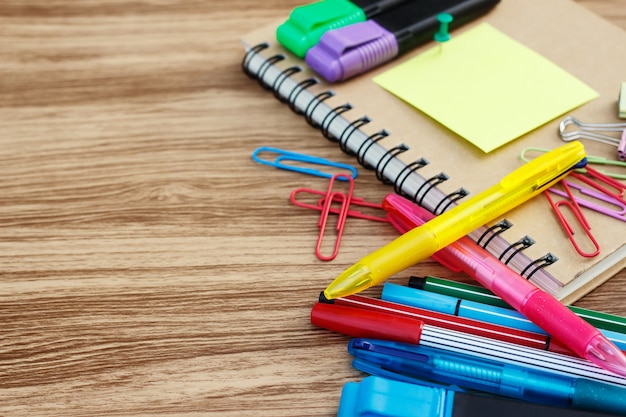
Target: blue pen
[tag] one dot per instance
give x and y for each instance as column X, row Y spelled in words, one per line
column 473, row 310
column 403, row 361
column 380, row 397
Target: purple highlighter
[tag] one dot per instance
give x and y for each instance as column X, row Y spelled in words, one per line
column 351, row 50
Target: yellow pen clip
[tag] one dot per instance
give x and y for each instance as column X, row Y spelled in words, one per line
column 592, row 160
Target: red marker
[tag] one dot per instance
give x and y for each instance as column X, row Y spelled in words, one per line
column 357, row 322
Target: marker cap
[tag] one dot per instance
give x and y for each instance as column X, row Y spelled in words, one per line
column 357, row 322
column 378, row 397
column 307, row 24
column 345, row 52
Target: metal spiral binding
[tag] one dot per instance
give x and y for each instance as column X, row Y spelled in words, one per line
column 249, row 55
column 365, row 146
column 308, row 111
column 540, row 263
column 387, row 157
column 352, row 127
column 517, row 247
column 278, row 82
column 450, row 199
column 495, row 230
column 328, row 120
column 264, row 67
column 406, row 172
column 427, row 186
column 302, row 85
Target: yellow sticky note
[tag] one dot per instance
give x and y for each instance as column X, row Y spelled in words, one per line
column 486, row 87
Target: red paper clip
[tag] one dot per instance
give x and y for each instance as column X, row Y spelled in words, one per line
column 329, row 199
column 572, row 204
column 356, row 201
column 600, row 178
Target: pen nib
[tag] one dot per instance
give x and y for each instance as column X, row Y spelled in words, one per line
column 606, row 355
column 352, row 280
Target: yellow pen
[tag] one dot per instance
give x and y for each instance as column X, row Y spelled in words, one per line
column 420, row 243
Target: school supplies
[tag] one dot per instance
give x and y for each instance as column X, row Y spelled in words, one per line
column 497, row 315
column 483, row 295
column 471, row 341
column 380, row 397
column 354, row 49
column 307, row 23
column 437, row 169
column 334, row 314
column 416, row 363
column 421, row 242
column 492, row 84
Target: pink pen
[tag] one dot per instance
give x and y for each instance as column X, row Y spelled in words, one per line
column 538, row 306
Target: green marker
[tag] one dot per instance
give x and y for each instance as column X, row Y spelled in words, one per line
column 307, row 24
column 482, row 295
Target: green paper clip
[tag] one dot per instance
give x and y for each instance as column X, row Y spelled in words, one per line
column 596, row 160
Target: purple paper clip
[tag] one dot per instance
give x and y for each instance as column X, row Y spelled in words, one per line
column 602, row 183
column 572, row 204
column 611, row 207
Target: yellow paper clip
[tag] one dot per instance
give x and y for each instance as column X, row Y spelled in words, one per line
column 330, row 198
column 572, row 204
column 594, row 160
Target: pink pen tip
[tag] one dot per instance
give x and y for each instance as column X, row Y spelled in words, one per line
column 606, row 355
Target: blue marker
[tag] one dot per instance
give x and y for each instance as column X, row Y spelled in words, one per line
column 473, row 310
column 380, row 397
column 415, row 364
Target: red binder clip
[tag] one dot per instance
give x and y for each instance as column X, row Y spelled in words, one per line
column 572, row 204
column 330, row 198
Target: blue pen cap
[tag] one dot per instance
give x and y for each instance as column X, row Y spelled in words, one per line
column 463, row 308
column 418, row 298
column 380, row 397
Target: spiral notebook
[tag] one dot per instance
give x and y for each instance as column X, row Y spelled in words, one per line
column 430, row 164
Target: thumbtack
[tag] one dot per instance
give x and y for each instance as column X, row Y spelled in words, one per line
column 443, row 35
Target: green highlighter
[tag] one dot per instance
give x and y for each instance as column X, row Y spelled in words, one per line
column 307, row 24
column 482, row 295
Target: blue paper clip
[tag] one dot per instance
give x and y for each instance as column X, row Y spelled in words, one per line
column 288, row 156
column 595, row 160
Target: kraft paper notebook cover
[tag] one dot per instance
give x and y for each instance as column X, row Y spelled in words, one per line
column 392, row 137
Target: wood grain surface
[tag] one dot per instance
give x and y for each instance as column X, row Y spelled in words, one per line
column 147, row 265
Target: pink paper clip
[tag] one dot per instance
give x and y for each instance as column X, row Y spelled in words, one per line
column 572, row 204
column 600, row 179
column 330, row 198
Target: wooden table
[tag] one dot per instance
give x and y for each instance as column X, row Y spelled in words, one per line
column 147, row 265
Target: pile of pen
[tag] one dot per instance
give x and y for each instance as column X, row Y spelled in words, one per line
column 429, row 354
column 444, row 348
